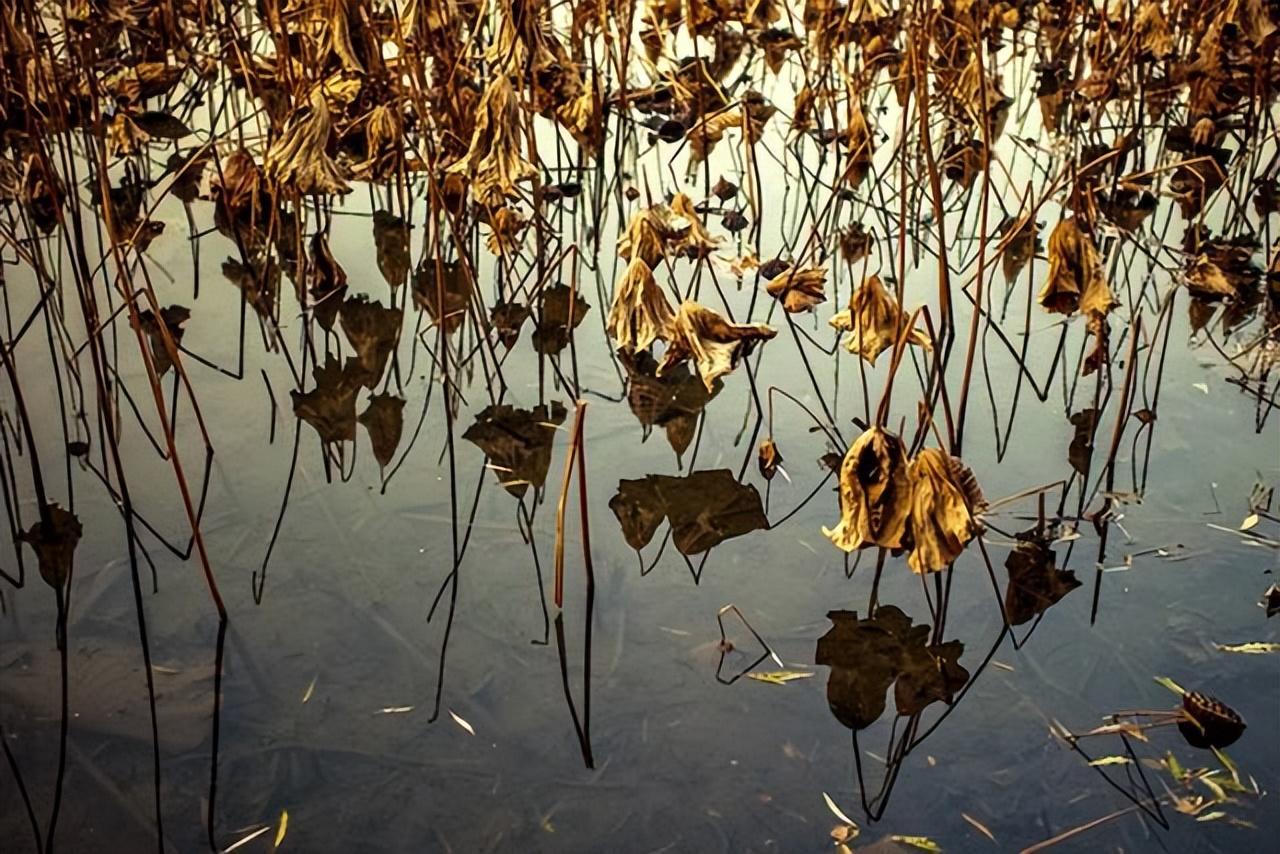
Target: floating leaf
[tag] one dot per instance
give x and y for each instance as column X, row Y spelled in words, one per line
column 1209, row 722
column 978, row 826
column 1250, row 522
column 924, row 843
column 780, row 677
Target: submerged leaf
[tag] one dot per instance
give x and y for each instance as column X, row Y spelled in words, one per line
column 373, row 332
column 330, row 407
column 391, row 240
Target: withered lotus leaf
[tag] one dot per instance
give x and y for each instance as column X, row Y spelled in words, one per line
column 1075, row 281
column 1035, row 583
column 945, row 501
column 172, row 317
column 647, row 234
column 673, row 401
column 562, row 312
column 713, row 343
column 867, row 656
column 493, row 161
column 330, row 407
column 875, row 493
column 507, row 318
column 54, row 544
column 874, row 320
column 1207, row 281
column 704, row 508
column 1020, row 248
column 799, row 288
column 769, row 458
column 298, row 159
column 640, row 313
column 373, row 332
column 695, row 240
column 448, row 299
column 391, row 239
column 507, row 226
column 517, row 442
column 383, row 420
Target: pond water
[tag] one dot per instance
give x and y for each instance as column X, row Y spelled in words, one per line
column 393, row 673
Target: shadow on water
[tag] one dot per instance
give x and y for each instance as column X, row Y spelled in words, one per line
column 958, row 322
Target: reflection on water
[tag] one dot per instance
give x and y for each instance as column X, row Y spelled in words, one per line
column 973, row 285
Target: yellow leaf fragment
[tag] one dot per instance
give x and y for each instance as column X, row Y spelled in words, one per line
column 282, row 829
column 1104, row 761
column 780, row 677
column 924, row 843
column 1255, row 648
